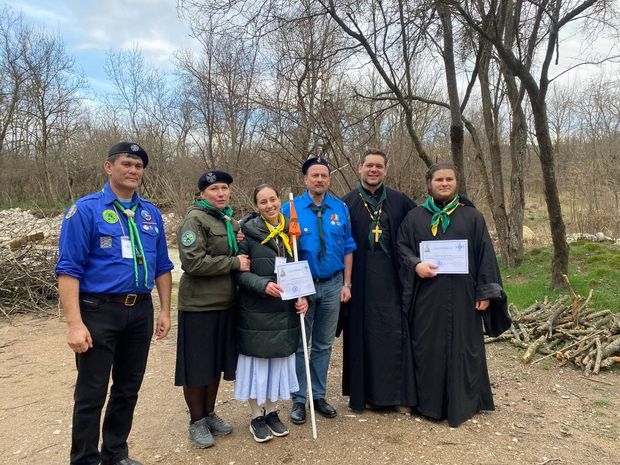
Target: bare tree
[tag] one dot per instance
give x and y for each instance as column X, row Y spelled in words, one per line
column 543, row 23
column 391, row 38
column 594, row 159
column 142, row 106
column 13, row 72
column 456, row 119
column 218, row 85
column 51, row 105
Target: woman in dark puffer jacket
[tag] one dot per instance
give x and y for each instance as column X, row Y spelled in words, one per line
column 268, row 329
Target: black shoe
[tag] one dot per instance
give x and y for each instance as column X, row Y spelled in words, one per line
column 260, row 430
column 275, row 425
column 324, row 408
column 298, row 414
column 127, row 461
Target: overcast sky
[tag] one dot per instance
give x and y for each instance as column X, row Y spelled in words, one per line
column 91, row 28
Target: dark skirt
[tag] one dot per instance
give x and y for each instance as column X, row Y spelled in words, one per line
column 206, row 347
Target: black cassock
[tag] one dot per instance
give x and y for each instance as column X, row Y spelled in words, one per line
column 377, row 366
column 452, row 379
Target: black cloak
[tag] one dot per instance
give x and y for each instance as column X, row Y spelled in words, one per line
column 451, row 374
column 378, row 360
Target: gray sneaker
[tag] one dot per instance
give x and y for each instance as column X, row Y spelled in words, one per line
column 275, row 425
column 260, row 430
column 200, row 434
column 218, row 426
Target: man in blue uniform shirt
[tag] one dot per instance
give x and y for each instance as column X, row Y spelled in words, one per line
column 327, row 244
column 112, row 252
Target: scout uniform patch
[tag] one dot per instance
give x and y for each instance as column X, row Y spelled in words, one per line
column 188, row 238
column 110, row 216
column 71, row 211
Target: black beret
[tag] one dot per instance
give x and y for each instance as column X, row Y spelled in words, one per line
column 213, row 176
column 313, row 161
column 130, row 148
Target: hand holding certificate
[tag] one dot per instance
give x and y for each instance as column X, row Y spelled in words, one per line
column 295, row 279
column 450, row 256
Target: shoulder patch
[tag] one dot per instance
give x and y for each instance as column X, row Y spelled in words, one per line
column 188, row 238
column 71, row 211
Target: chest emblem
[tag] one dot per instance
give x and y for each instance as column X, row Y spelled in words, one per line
column 146, row 215
column 110, row 216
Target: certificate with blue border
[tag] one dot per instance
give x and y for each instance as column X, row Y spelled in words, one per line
column 295, row 279
column 450, row 256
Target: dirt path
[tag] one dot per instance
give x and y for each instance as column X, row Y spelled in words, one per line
column 545, row 415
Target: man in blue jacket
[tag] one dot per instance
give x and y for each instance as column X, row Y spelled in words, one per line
column 112, row 252
column 327, row 244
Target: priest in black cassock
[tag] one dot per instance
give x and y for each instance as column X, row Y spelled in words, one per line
column 449, row 303
column 378, row 361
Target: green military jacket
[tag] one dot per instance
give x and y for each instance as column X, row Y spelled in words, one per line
column 207, row 283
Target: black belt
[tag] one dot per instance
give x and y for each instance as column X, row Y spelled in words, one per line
column 128, row 300
column 322, row 280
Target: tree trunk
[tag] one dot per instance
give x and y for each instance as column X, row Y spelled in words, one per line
column 456, row 122
column 559, row 263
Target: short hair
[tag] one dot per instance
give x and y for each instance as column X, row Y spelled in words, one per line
column 260, row 187
column 371, row 151
column 444, row 165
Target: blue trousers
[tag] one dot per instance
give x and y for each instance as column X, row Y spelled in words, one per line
column 321, row 321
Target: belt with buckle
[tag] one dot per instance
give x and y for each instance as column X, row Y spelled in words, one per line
column 322, row 280
column 128, row 300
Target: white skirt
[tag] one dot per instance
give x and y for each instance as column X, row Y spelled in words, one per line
column 265, row 378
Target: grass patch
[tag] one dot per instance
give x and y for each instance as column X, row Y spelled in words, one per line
column 592, row 265
column 603, row 403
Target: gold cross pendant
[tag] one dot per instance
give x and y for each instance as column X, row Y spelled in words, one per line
column 377, row 232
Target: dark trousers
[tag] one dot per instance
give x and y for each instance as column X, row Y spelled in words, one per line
column 121, row 339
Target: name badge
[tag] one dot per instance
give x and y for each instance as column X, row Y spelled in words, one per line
column 126, row 248
column 279, row 261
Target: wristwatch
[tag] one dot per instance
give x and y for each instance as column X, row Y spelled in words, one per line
column 347, row 285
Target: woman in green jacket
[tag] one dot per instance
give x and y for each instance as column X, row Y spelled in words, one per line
column 269, row 327
column 206, row 343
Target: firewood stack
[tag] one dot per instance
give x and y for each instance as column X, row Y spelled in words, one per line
column 567, row 330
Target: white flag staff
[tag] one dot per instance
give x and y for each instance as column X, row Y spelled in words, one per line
column 294, row 232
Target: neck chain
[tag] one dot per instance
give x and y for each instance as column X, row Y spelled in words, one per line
column 374, row 209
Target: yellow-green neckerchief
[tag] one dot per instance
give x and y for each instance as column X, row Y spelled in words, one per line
column 278, row 231
column 440, row 215
column 134, row 239
column 227, row 216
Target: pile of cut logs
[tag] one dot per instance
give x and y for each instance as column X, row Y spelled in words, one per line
column 567, row 330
